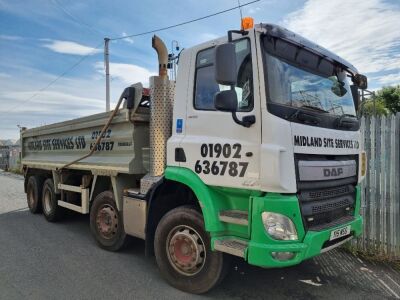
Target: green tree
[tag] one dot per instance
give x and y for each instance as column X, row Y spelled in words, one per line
column 368, row 108
column 390, row 97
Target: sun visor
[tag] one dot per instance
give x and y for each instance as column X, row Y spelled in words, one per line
column 299, row 56
column 287, row 45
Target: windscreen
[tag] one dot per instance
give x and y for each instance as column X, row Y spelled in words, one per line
column 292, row 86
column 298, row 78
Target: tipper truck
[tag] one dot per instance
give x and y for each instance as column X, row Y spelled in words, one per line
column 253, row 151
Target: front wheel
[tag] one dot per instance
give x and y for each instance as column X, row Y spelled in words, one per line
column 183, row 252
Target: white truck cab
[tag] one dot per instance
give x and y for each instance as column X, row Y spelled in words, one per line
column 281, row 93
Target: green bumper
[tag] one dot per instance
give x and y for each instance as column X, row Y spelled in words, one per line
column 309, row 244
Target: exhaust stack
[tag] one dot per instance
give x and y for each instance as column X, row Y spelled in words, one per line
column 162, row 52
column 162, row 91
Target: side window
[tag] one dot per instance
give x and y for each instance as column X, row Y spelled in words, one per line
column 206, row 86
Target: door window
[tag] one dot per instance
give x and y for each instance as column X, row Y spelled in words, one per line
column 206, row 86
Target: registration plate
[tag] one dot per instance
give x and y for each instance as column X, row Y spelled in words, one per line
column 338, row 233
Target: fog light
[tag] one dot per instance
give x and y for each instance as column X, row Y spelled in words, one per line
column 282, row 256
column 279, row 227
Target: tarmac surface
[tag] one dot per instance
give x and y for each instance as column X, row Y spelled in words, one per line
column 41, row 260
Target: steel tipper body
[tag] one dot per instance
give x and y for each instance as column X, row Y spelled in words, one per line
column 254, row 151
column 52, row 146
column 120, row 157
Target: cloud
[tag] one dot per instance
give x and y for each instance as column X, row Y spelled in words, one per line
column 67, row 47
column 127, row 73
column 69, row 95
column 10, row 37
column 68, row 98
column 4, row 75
column 49, row 101
column 128, row 39
column 253, row 10
column 363, row 32
column 390, row 79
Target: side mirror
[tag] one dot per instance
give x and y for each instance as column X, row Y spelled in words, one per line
column 129, row 95
column 133, row 94
column 225, row 64
column 226, row 101
column 356, row 95
column 360, row 81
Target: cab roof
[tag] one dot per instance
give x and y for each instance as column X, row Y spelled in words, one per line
column 285, row 34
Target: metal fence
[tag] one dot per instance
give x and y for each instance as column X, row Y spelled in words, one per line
column 10, row 157
column 14, row 157
column 4, row 157
column 380, row 191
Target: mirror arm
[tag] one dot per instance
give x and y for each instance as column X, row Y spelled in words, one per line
column 247, row 121
column 236, row 119
column 230, row 32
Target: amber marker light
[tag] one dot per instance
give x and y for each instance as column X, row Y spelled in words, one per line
column 247, row 23
column 363, row 163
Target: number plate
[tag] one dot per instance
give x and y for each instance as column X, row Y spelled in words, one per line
column 338, row 233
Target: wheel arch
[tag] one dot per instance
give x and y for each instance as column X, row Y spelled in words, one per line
column 44, row 174
column 208, row 198
column 185, row 188
column 99, row 184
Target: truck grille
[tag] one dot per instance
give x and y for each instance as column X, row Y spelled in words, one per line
column 329, row 219
column 326, row 203
column 321, row 208
column 329, row 193
column 327, row 208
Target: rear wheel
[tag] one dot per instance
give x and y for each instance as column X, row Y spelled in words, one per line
column 51, row 211
column 106, row 222
column 183, row 252
column 34, row 194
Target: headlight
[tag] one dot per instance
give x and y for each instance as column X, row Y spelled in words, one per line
column 279, row 227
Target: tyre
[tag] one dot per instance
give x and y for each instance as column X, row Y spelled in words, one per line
column 106, row 223
column 183, row 252
column 51, row 211
column 34, row 194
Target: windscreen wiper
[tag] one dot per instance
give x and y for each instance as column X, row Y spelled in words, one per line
column 346, row 121
column 314, row 108
column 306, row 118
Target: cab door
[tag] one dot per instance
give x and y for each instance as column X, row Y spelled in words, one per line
column 219, row 151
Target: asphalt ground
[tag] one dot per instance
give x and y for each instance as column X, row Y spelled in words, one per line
column 41, row 260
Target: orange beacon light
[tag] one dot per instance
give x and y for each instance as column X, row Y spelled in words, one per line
column 247, row 23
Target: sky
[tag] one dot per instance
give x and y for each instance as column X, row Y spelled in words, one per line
column 41, row 39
